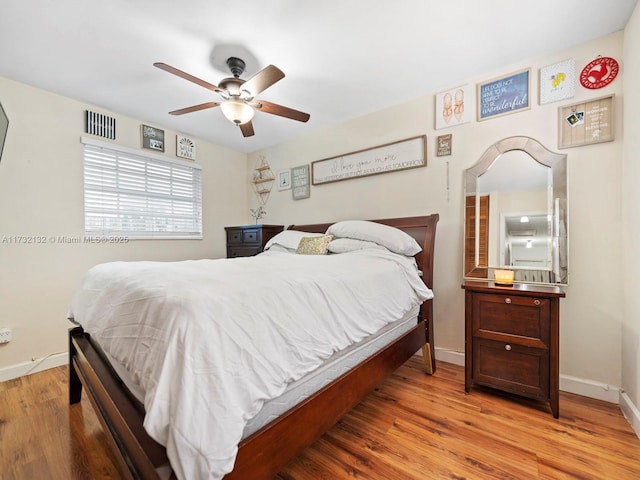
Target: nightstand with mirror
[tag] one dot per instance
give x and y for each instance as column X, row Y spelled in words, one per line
column 516, row 232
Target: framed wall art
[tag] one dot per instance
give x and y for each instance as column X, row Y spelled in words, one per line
column 504, row 95
column 443, row 147
column 4, row 127
column 152, row 138
column 284, row 179
column 454, row 106
column 557, row 81
column 185, row 147
column 390, row 157
column 586, row 122
column 300, row 182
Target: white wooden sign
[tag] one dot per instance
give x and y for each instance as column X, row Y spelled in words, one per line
column 390, row 157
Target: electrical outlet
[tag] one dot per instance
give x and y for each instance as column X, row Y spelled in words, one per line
column 5, row 335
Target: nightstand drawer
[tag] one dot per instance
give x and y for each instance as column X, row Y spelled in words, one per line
column 511, row 315
column 234, row 236
column 233, row 252
column 511, row 367
column 251, row 236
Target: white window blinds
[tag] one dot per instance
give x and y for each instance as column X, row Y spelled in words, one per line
column 140, row 195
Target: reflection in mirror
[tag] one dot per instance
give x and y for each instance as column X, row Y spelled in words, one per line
column 515, row 215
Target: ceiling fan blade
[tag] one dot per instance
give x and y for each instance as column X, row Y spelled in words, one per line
column 247, row 129
column 194, row 108
column 262, row 80
column 186, row 76
column 275, row 109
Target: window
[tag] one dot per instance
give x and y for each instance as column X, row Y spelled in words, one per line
column 140, row 195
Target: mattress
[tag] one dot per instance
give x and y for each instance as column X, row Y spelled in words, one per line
column 301, row 389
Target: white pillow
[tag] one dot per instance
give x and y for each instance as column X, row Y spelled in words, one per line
column 274, row 247
column 394, row 239
column 344, row 245
column 290, row 238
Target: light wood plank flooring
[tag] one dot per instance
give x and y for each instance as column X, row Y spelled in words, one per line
column 414, row 426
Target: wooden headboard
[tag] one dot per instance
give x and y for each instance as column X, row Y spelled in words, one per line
column 423, row 229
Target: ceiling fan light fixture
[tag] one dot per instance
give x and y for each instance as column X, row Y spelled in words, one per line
column 237, row 112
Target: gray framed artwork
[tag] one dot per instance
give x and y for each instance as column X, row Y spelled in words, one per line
column 4, row 126
column 152, row 138
column 300, row 182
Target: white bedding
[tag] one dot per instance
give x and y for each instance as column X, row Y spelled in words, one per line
column 209, row 341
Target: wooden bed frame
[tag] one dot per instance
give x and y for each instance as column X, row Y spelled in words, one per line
column 263, row 454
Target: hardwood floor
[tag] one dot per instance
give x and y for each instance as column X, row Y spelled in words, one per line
column 414, row 426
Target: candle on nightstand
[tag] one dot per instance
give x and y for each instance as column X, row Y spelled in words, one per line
column 503, row 277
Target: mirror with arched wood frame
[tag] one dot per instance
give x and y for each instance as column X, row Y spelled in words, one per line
column 516, row 213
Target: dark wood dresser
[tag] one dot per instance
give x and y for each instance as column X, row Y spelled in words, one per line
column 249, row 240
column 512, row 339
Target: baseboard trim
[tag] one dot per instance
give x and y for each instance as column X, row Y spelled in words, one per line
column 630, row 412
column 590, row 388
column 450, row 356
column 38, row 365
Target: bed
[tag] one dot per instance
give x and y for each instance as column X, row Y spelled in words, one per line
column 264, row 452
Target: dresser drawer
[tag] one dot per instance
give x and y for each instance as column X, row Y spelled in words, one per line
column 251, row 236
column 511, row 367
column 234, row 236
column 501, row 316
column 241, row 251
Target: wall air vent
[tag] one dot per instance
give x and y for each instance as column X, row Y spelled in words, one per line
column 100, row 125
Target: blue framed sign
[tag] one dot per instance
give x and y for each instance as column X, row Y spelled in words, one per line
column 504, row 95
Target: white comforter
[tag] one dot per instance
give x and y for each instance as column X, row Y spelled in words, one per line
column 209, row 341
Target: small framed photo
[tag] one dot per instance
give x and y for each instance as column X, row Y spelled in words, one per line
column 284, row 179
column 152, row 138
column 557, row 81
column 443, row 147
column 454, row 106
column 504, row 95
column 185, row 147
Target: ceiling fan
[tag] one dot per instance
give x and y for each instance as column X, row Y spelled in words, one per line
column 238, row 96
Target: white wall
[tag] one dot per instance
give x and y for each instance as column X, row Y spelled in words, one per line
column 41, row 193
column 631, row 217
column 591, row 314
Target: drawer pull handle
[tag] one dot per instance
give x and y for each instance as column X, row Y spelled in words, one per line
column 507, row 300
column 507, row 347
column 536, row 302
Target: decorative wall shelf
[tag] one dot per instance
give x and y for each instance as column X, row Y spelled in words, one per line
column 262, row 180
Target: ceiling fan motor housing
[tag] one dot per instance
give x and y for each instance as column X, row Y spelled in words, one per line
column 236, row 65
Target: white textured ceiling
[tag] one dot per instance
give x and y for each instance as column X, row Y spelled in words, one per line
column 342, row 58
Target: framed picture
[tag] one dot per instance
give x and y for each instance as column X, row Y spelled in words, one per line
column 390, row 157
column 557, row 81
column 443, row 148
column 284, row 179
column 300, row 182
column 185, row 147
column 4, row 127
column 586, row 122
column 454, row 107
column 504, row 95
column 152, row 138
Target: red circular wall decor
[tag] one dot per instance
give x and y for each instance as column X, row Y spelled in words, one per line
column 599, row 73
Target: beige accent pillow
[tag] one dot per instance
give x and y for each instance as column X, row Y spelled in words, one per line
column 314, row 245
